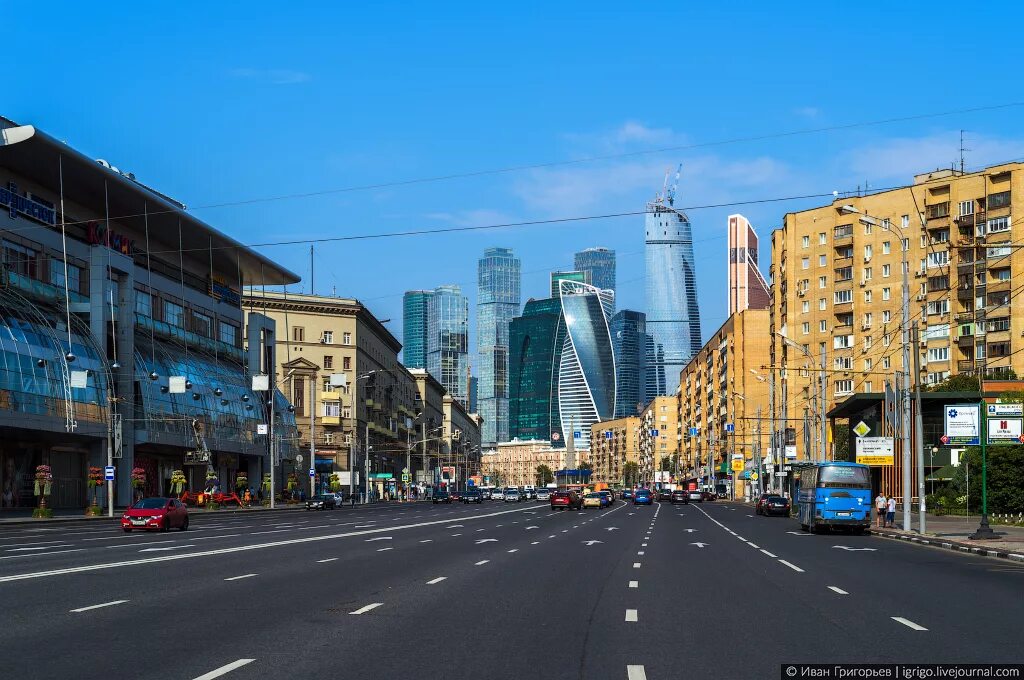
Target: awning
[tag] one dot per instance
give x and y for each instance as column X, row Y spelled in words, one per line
column 943, row 474
column 325, row 461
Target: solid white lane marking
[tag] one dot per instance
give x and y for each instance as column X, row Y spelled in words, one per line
column 132, row 545
column 635, row 673
column 170, row 547
column 201, row 538
column 239, row 578
column 908, row 623
column 768, row 553
column 636, row 565
column 631, row 615
column 834, row 589
column 482, row 562
column 329, row 559
column 217, row 672
column 49, row 543
column 42, row 547
column 97, row 606
column 55, row 552
column 363, row 610
column 383, row 549
column 275, row 531
column 634, row 584
column 791, row 566
column 436, row 580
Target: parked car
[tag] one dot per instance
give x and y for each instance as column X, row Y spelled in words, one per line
column 566, row 500
column 512, row 495
column 441, row 496
column 325, row 501
column 772, row 504
column 155, row 513
column 544, row 495
column 529, row 491
column 643, row 497
column 472, row 496
column 497, row 494
column 709, row 495
column 680, row 496
column 695, row 496
column 609, row 499
column 665, row 495
column 626, row 494
column 486, row 494
column 456, row 495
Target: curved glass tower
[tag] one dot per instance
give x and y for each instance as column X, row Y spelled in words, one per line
column 586, row 371
column 673, row 318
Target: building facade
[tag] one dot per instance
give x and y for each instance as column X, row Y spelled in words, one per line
column 117, row 341
column 614, row 444
column 515, row 463
column 673, row 316
column 535, row 347
column 415, row 308
column 631, row 344
column 556, row 277
column 498, row 300
column 747, row 287
column 837, row 282
column 448, row 340
column 598, row 265
column 659, row 440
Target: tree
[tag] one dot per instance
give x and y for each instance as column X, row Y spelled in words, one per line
column 544, row 475
column 1005, row 478
column 666, row 464
column 630, row 473
column 961, row 382
column 841, row 444
column 585, row 465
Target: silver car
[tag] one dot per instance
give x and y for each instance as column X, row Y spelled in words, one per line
column 544, row 495
column 512, row 496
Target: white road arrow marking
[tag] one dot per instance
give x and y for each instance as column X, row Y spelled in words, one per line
column 846, row 547
column 172, row 547
column 591, row 542
column 532, row 527
column 610, row 528
column 379, row 538
column 690, row 531
column 700, row 545
column 486, row 540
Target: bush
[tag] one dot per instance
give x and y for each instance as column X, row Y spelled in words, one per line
column 1005, row 478
column 42, row 513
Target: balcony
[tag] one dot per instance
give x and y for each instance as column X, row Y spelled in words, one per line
column 965, row 366
column 331, row 395
column 330, row 420
column 999, row 285
column 969, row 292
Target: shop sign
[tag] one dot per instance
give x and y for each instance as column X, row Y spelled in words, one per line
column 219, row 289
column 22, row 204
column 197, row 458
column 98, row 235
column 1004, row 430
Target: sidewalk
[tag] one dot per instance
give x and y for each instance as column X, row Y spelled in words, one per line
column 951, row 532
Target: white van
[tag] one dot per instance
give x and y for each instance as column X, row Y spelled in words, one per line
column 530, row 491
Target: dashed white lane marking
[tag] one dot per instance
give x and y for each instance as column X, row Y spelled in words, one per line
column 427, row 540
column 329, row 559
column 482, row 562
column 792, row 566
column 514, row 550
column 635, row 673
column 132, row 545
column 534, row 542
column 201, row 538
column 840, row 591
column 383, row 549
column 908, row 623
column 369, row 607
column 768, row 553
column 636, row 565
column 378, row 538
column 634, row 584
column 436, row 580
column 741, row 538
column 481, row 529
column 223, row 670
column 565, row 531
column 275, row 531
column 239, row 578
column 42, row 547
column 640, row 552
column 454, row 535
column 631, row 615
column 97, row 606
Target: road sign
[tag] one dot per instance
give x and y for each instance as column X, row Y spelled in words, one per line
column 555, row 436
column 577, row 434
column 944, row 439
column 298, row 459
column 312, row 472
column 737, row 465
column 875, row 450
column 753, row 476
column 108, row 473
column 262, row 428
column 780, row 474
column 861, row 429
column 730, row 428
column 405, row 471
column 608, row 434
column 790, row 450
column 1004, row 430
column 1003, row 410
column 963, row 424
column 654, row 432
column 694, row 431
column 405, row 476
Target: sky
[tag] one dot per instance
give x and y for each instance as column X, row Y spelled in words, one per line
column 541, row 111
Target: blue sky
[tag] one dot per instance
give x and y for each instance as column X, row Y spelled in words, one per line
column 218, row 104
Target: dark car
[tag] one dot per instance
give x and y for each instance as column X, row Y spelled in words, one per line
column 566, row 500
column 643, row 497
column 472, row 496
column 680, row 496
column 664, row 495
column 608, row 497
column 456, row 495
column 327, row 501
column 441, row 496
column 772, row 504
column 626, row 494
column 155, row 513
column 708, row 496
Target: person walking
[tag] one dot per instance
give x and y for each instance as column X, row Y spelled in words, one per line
column 890, row 512
column 880, row 509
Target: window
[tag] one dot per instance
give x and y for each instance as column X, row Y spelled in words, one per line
column 822, row 260
column 869, row 273
column 822, row 304
column 886, row 316
column 938, row 354
column 868, row 319
column 143, row 303
column 842, row 342
column 805, row 263
column 328, row 337
column 202, row 324
column 346, row 413
column 886, row 339
column 868, row 251
column 937, row 210
column 997, row 325
column 346, row 363
column 805, row 307
column 822, row 282
column 1000, row 200
column 886, row 363
column 937, row 377
column 21, row 260
column 1000, row 274
column 74, row 279
column 174, row 314
column 886, row 271
column 905, row 221
column 844, row 363
column 805, row 328
column 327, row 386
column 867, row 364
column 994, row 226
column 844, row 387
column 844, row 274
column 846, row 251
column 938, row 307
column 936, row 331
column 867, row 228
column 939, row 259
column 823, row 326
column 886, row 293
column 867, row 296
column 298, row 334
column 332, row 409
column 965, row 208
column 999, row 251
column 841, row 231
column 886, row 247
column 843, row 296
column 328, row 361
column 346, row 338
column 299, row 395
column 868, row 386
column 905, row 243
column 868, row 342
column 229, row 334
column 805, row 242
column 822, row 238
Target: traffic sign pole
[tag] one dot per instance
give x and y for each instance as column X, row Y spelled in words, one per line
column 984, row 531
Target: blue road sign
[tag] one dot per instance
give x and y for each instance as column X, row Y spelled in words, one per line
column 730, row 428
column 577, row 434
column 654, row 433
column 312, row 472
column 608, row 434
column 693, row 431
column 108, row 473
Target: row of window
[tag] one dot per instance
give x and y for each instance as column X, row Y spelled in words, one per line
column 326, row 337
column 174, row 314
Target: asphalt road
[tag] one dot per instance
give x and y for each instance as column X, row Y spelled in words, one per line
column 496, row 591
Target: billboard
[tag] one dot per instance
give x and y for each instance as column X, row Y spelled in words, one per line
column 962, row 424
column 875, row 450
column 1004, row 430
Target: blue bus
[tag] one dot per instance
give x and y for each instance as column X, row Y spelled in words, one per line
column 835, row 495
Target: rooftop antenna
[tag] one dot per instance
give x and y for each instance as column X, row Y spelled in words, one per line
column 675, row 185
column 962, row 150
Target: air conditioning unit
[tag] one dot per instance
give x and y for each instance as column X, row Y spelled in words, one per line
column 801, row 293
column 865, row 326
column 920, row 298
column 863, row 282
column 867, row 258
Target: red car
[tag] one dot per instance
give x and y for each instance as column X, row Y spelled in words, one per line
column 456, row 495
column 156, row 513
column 772, row 504
column 566, row 500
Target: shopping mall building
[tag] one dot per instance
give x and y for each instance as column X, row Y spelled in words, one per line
column 121, row 332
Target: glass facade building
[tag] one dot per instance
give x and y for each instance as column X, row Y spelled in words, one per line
column 673, row 317
column 580, row 277
column 498, row 299
column 534, row 353
column 631, row 343
column 598, row 264
column 448, row 340
column 415, row 306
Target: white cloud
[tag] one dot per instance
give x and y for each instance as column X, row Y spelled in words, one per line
column 900, row 158
column 273, row 76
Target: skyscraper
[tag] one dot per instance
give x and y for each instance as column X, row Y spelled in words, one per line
column 634, row 387
column 414, row 328
column 579, row 276
column 747, row 288
column 673, row 318
column 498, row 282
column 599, row 266
column 586, row 368
column 534, row 353
column 448, row 340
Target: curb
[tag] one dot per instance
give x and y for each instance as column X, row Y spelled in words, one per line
column 954, row 546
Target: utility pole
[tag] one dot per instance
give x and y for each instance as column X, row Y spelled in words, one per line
column 366, row 462
column 918, row 434
column 757, row 452
column 822, row 403
column 312, row 439
column 905, row 338
column 771, row 425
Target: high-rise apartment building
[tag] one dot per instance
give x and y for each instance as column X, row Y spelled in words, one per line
column 658, row 440
column 448, row 340
column 747, row 287
column 631, row 345
column 535, row 347
column 598, row 264
column 498, row 299
column 415, row 306
column 837, row 279
column 673, row 317
column 613, row 444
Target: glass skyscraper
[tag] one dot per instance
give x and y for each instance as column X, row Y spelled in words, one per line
column 448, row 340
column 498, row 298
column 534, row 353
column 634, row 387
column 599, row 266
column 586, row 368
column 581, row 277
column 414, row 328
column 673, row 317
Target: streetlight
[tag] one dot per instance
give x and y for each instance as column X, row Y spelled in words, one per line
column 819, row 397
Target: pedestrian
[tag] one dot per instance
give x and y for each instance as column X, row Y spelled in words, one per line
column 880, row 509
column 890, row 514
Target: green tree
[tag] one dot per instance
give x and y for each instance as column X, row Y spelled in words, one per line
column 630, row 473
column 544, row 475
column 585, row 466
column 1005, row 478
column 961, row 382
column 666, row 464
column 841, row 444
